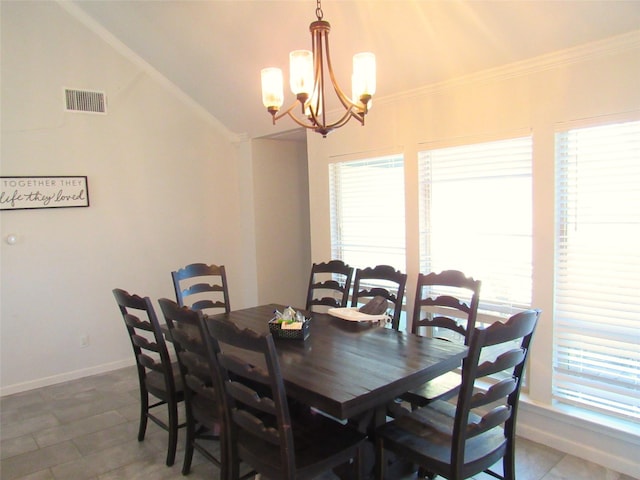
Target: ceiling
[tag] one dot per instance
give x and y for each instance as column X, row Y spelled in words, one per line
column 214, row 50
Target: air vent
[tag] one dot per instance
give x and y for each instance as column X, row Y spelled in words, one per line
column 85, row 101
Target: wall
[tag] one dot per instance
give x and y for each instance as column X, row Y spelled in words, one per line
column 539, row 96
column 167, row 186
column 281, row 197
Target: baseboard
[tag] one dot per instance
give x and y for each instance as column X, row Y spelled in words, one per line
column 604, row 445
column 64, row 377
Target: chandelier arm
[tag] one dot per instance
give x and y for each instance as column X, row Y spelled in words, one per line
column 289, row 112
column 301, row 123
column 318, row 85
column 349, row 114
column 278, row 115
column 344, row 99
column 316, row 125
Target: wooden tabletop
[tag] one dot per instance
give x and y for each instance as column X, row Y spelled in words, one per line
column 346, row 369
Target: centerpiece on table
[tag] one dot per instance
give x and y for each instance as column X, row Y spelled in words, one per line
column 289, row 324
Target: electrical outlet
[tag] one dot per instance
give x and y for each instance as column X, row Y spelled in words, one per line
column 84, row 340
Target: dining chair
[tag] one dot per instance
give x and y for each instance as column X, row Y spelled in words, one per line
column 332, row 280
column 204, row 411
column 446, row 306
column 158, row 376
column 460, row 440
column 202, row 287
column 383, row 281
column 276, row 441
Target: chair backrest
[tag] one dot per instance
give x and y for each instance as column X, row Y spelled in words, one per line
column 384, row 281
column 489, row 414
column 448, row 300
column 331, row 278
column 202, row 287
column 147, row 340
column 198, row 374
column 258, row 413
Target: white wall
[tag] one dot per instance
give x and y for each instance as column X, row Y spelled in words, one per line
column 538, row 96
column 167, row 187
column 281, row 197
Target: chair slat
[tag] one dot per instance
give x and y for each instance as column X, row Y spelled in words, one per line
column 493, row 419
column 502, row 362
column 494, row 392
column 202, row 288
column 254, row 425
column 144, row 343
column 134, row 322
column 150, row 363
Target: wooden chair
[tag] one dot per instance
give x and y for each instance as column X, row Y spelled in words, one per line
column 462, row 440
column 204, row 411
column 446, row 303
column 276, row 441
column 202, row 287
column 384, row 281
column 334, row 278
column 157, row 375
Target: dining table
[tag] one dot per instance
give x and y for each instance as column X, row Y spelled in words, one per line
column 347, row 369
column 353, row 370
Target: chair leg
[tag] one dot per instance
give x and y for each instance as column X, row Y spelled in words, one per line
column 144, row 410
column 380, row 460
column 225, row 470
column 188, row 449
column 234, row 464
column 358, row 464
column 509, row 463
column 173, row 431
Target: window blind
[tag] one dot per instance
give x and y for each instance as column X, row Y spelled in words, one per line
column 597, row 291
column 476, row 216
column 367, row 212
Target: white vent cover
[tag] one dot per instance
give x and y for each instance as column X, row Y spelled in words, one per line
column 85, row 101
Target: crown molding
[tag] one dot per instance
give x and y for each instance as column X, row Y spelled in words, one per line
column 550, row 61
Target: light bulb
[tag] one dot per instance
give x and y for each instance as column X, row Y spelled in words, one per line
column 301, row 72
column 272, row 88
column 363, row 81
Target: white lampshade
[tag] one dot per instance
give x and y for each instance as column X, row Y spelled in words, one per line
column 364, row 75
column 301, row 71
column 272, row 87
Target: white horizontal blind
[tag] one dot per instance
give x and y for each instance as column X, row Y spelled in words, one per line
column 367, row 212
column 476, row 216
column 597, row 293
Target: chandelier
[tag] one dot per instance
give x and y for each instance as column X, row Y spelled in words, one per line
column 308, row 73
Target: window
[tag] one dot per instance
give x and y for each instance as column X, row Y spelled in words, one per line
column 476, row 216
column 367, row 212
column 597, row 291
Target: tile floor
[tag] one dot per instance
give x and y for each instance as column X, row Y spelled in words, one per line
column 87, row 430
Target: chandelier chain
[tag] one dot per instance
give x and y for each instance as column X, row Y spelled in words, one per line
column 319, row 13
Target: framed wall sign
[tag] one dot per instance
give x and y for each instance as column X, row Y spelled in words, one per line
column 23, row 193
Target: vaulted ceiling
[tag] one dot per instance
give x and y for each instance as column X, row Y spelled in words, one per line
column 214, row 50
